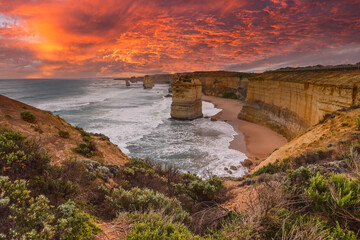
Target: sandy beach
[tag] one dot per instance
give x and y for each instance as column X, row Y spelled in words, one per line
column 256, row 141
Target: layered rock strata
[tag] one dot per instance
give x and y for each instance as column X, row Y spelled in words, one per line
column 186, row 98
column 148, row 82
column 220, row 83
column 289, row 103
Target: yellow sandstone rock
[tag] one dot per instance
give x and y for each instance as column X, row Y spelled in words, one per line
column 186, row 99
column 148, row 82
column 292, row 102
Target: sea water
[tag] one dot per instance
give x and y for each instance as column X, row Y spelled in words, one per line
column 137, row 120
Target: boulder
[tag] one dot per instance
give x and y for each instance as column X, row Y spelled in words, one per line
column 247, row 163
column 233, row 168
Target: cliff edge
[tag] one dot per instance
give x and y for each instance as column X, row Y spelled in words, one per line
column 56, row 136
column 291, row 102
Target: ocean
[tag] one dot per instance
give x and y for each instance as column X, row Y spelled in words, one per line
column 137, row 120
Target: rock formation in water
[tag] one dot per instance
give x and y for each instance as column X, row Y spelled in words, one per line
column 214, row 83
column 127, row 83
column 148, row 82
column 291, row 102
column 186, row 99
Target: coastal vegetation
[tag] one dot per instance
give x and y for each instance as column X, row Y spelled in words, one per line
column 42, row 201
column 64, row 134
column 28, row 116
column 230, row 95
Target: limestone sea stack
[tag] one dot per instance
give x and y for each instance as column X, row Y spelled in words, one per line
column 148, row 82
column 186, row 99
column 127, row 83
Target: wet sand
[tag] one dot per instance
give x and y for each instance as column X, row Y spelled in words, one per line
column 256, row 141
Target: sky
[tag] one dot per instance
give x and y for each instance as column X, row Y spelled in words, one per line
column 121, row 38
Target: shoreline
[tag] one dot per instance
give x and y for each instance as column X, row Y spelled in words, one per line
column 256, row 141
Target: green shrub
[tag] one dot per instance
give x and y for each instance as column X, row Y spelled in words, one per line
column 235, row 227
column 297, row 180
column 86, row 139
column 71, row 224
column 336, row 195
column 358, row 122
column 37, row 129
column 312, row 227
column 156, row 226
column 273, row 168
column 345, row 124
column 28, row 116
column 34, row 218
column 144, row 200
column 86, row 149
column 208, row 190
column 64, row 134
column 20, row 158
column 230, row 95
column 83, row 132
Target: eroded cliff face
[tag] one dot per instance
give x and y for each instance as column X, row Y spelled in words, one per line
column 219, row 83
column 292, row 102
column 186, row 98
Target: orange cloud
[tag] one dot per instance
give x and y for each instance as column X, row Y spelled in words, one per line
column 53, row 38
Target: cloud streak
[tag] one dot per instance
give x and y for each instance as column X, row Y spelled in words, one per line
column 63, row 38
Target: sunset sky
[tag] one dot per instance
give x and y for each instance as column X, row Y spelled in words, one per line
column 95, row 38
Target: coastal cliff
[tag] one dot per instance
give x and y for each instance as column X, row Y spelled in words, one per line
column 220, row 83
column 291, row 102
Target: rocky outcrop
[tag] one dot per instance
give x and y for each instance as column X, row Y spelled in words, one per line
column 148, row 82
column 291, row 102
column 186, row 99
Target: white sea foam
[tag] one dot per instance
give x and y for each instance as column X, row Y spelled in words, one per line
column 137, row 120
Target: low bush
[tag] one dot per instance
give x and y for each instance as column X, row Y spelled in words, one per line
column 230, row 95
column 297, row 181
column 86, row 149
column 28, row 116
column 204, row 190
column 20, row 158
column 358, row 122
column 272, row 168
column 145, row 200
column 37, row 129
column 72, row 224
column 64, row 134
column 153, row 225
column 24, row 217
column 337, row 196
column 83, row 132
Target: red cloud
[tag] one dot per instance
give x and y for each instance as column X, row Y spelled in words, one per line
column 109, row 37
